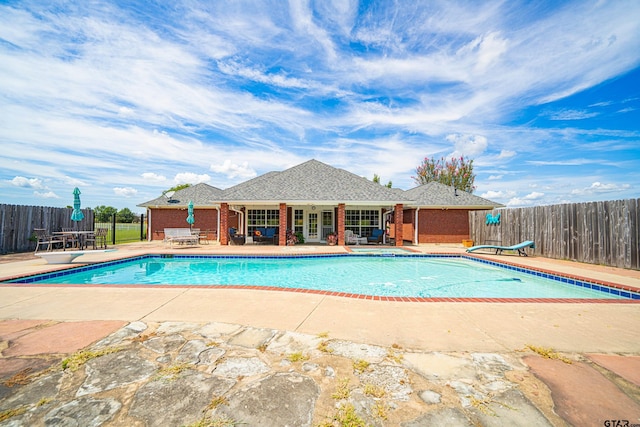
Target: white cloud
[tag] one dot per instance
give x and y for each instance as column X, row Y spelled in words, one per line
column 506, row 154
column 528, row 200
column 467, row 145
column 233, row 170
column 495, row 177
column 191, row 178
column 21, row 181
column 572, row 115
column 570, row 162
column 154, row 177
column 599, row 187
column 125, row 191
column 46, row 195
column 534, row 196
column 491, row 194
column 75, row 182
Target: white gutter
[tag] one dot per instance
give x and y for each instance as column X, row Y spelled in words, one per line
column 415, row 232
column 241, row 215
column 218, row 225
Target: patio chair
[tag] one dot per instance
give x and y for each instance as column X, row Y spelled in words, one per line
column 376, row 236
column 97, row 239
column 70, row 237
column 350, row 238
column 236, row 239
column 47, row 239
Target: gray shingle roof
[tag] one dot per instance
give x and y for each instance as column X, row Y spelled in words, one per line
column 200, row 194
column 312, row 181
column 434, row 194
column 316, row 182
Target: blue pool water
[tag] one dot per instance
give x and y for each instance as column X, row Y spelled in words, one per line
column 398, row 276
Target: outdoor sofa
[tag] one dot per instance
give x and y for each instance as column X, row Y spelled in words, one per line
column 266, row 235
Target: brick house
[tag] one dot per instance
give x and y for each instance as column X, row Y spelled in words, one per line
column 316, row 199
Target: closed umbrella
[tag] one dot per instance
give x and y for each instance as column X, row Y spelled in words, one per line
column 77, row 214
column 190, row 218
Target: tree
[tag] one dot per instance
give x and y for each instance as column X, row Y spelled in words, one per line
column 125, row 215
column 177, row 188
column 376, row 179
column 457, row 172
column 104, row 213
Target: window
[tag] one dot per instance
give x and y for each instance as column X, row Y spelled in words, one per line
column 298, row 221
column 362, row 221
column 261, row 218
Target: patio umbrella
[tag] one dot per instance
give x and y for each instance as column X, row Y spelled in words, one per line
column 190, row 218
column 77, row 214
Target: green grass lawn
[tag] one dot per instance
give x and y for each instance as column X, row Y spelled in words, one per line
column 125, row 233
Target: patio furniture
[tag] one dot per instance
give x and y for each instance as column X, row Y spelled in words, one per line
column 265, row 235
column 47, row 239
column 181, row 236
column 520, row 247
column 70, row 238
column 350, row 238
column 376, row 236
column 97, row 239
column 236, row 239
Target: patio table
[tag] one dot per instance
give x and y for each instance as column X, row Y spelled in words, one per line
column 80, row 236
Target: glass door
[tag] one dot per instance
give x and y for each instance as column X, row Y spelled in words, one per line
column 312, row 227
column 327, row 223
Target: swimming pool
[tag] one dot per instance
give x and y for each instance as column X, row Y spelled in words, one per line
column 422, row 276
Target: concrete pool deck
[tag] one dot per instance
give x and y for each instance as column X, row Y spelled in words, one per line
column 435, row 326
column 604, row 334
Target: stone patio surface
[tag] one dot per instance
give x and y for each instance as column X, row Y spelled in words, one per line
column 183, row 356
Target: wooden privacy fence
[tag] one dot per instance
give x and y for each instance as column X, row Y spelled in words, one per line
column 594, row 232
column 17, row 223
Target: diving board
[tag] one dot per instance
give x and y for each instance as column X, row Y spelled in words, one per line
column 67, row 257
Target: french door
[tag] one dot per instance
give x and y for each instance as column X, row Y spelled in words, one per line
column 319, row 224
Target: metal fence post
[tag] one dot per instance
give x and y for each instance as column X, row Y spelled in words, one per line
column 141, row 227
column 113, row 228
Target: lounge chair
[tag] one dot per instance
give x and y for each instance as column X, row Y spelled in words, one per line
column 520, row 247
column 376, row 236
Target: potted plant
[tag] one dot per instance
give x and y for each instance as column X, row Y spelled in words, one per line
column 332, row 238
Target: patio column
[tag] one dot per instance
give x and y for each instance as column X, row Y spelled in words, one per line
column 398, row 223
column 340, row 230
column 224, row 223
column 282, row 230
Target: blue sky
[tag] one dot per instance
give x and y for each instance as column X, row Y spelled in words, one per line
column 127, row 99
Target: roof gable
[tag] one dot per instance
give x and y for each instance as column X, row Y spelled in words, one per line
column 312, row 181
column 434, row 194
column 200, row 194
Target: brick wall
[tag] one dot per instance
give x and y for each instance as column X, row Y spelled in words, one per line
column 206, row 219
column 443, row 226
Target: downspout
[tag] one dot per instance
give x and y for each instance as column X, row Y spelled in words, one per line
column 149, row 236
column 415, row 232
column 240, row 220
column 218, row 226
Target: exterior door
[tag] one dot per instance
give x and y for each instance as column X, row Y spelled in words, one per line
column 313, row 227
column 327, row 223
